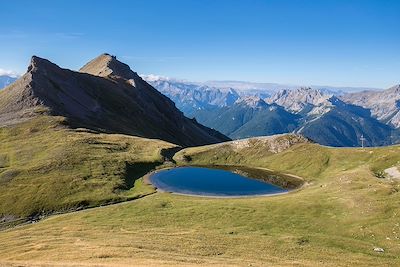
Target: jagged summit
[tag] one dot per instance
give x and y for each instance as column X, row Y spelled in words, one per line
column 111, row 99
column 252, row 102
column 37, row 62
column 303, row 99
column 108, row 65
column 42, row 65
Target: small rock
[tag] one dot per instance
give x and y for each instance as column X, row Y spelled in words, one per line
column 380, row 250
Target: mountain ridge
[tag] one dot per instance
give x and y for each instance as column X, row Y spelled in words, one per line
column 315, row 113
column 304, row 100
column 108, row 103
column 384, row 105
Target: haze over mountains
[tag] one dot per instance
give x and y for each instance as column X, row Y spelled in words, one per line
column 6, row 80
column 190, row 96
column 326, row 115
column 106, row 96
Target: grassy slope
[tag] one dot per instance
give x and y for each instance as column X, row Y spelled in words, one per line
column 309, row 160
column 337, row 220
column 46, row 167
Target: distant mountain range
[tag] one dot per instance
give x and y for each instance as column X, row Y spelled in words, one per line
column 272, row 88
column 191, row 97
column 249, row 116
column 384, row 105
column 326, row 115
column 6, row 80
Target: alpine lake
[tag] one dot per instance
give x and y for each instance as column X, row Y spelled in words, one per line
column 223, row 181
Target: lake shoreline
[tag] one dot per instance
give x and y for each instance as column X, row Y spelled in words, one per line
column 222, row 196
column 147, row 180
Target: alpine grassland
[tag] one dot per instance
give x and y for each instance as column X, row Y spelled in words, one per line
column 345, row 210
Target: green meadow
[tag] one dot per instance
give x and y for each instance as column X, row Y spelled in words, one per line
column 345, row 208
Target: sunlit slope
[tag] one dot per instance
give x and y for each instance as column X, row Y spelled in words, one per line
column 47, row 167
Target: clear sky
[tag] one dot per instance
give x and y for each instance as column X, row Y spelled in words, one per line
column 325, row 42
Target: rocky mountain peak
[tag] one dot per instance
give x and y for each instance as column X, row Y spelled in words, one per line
column 40, row 64
column 296, row 100
column 252, row 101
column 104, row 101
column 108, row 65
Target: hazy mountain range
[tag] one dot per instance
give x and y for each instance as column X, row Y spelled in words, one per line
column 6, row 80
column 260, row 87
column 327, row 115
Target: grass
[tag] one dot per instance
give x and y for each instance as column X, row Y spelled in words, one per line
column 45, row 167
column 337, row 219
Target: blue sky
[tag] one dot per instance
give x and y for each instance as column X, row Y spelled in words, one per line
column 339, row 43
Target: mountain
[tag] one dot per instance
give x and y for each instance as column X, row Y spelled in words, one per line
column 344, row 125
column 238, row 113
column 329, row 121
column 248, row 117
column 191, row 97
column 304, row 100
column 106, row 96
column 271, row 88
column 324, row 114
column 320, row 116
column 384, row 105
column 6, row 80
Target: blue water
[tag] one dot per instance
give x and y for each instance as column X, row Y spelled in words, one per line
column 210, row 182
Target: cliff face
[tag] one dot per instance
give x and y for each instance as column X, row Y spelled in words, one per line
column 105, row 96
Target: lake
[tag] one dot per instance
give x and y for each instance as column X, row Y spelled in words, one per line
column 210, row 182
